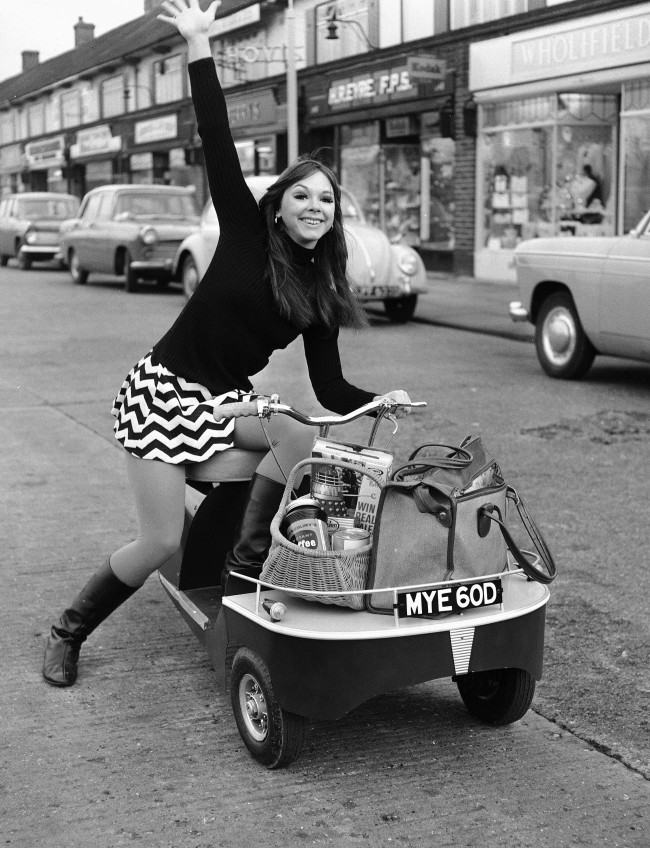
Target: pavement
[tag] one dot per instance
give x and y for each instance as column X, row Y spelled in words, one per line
column 467, row 303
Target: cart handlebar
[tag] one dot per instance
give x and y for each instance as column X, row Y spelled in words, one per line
column 264, row 407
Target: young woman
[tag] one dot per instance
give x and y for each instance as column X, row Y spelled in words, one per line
column 278, row 272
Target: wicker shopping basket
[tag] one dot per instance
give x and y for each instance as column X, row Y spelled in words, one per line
column 290, row 566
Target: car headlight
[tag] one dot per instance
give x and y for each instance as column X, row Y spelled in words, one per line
column 148, row 235
column 30, row 236
column 407, row 262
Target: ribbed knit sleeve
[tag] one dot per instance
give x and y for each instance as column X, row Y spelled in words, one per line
column 235, row 206
column 324, row 365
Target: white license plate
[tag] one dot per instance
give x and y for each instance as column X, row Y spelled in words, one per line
column 458, row 597
column 378, row 292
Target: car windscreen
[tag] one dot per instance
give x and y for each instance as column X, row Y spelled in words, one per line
column 151, row 205
column 349, row 207
column 55, row 208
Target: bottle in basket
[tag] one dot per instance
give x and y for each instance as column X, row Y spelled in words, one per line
column 305, row 524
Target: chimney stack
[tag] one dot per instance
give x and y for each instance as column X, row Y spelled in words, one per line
column 150, row 5
column 83, row 32
column 30, row 59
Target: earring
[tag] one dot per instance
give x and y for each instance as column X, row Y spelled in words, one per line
column 277, row 217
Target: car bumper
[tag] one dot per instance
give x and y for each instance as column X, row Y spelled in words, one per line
column 153, row 266
column 518, row 311
column 40, row 251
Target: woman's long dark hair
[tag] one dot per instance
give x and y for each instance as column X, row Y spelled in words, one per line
column 335, row 304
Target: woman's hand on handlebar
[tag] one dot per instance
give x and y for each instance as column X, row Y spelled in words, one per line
column 398, row 396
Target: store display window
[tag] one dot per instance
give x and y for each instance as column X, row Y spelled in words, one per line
column 548, row 168
column 635, row 130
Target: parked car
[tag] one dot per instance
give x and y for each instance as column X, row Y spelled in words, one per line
column 129, row 230
column 29, row 226
column 586, row 296
column 378, row 270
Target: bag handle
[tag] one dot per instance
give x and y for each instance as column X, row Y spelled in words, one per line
column 529, row 569
column 446, row 461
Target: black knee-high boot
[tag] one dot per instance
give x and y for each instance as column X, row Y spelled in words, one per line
column 253, row 534
column 103, row 594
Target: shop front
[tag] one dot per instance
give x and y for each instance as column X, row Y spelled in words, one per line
column 564, row 133
column 95, row 159
column 390, row 129
column 44, row 165
column 11, row 165
column 259, row 129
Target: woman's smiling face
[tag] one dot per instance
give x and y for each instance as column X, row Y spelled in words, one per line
column 307, row 209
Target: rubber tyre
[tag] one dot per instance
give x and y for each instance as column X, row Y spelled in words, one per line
column 563, row 349
column 130, row 277
column 3, row 260
column 78, row 274
column 497, row 697
column 274, row 737
column 189, row 276
column 24, row 262
column 401, row 309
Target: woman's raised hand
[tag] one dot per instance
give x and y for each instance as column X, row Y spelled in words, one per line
column 187, row 17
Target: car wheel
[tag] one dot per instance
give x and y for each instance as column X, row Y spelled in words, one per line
column 3, row 260
column 77, row 273
column 401, row 309
column 274, row 737
column 563, row 349
column 189, row 276
column 130, row 277
column 24, row 262
column 497, row 697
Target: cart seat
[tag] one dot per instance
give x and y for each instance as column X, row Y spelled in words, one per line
column 233, row 465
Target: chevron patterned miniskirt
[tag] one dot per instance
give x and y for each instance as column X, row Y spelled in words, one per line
column 165, row 417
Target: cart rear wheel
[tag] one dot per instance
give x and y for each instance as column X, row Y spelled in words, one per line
column 500, row 696
column 273, row 736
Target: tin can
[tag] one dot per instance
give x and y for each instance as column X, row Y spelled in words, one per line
column 305, row 524
column 349, row 538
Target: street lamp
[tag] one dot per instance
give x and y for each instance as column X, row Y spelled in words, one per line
column 292, row 83
column 333, row 34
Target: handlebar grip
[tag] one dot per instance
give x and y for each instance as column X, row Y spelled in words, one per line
column 240, row 409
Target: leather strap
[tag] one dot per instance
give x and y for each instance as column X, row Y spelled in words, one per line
column 535, row 535
column 462, row 459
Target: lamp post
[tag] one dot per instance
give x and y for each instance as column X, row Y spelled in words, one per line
column 292, row 84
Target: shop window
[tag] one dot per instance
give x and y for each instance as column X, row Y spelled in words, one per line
column 342, row 29
column 7, row 132
column 553, row 177
column 635, row 142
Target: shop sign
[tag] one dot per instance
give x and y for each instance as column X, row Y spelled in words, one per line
column 45, row 154
column 396, row 127
column 156, row 129
column 177, row 157
column 243, row 18
column 426, row 67
column 94, row 141
column 600, row 42
column 252, row 111
column 141, row 161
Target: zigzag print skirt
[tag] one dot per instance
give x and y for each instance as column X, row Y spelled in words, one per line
column 165, row 417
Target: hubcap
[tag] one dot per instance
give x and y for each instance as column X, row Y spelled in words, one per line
column 559, row 336
column 190, row 277
column 253, row 707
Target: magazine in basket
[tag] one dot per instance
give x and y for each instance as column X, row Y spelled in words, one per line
column 361, row 492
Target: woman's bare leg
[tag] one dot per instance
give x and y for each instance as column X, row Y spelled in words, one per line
column 159, row 491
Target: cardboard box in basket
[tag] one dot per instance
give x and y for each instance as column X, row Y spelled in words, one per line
column 362, row 492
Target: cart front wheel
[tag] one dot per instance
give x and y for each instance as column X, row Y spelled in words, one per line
column 500, row 696
column 273, row 736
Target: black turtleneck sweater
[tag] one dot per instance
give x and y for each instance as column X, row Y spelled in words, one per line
column 230, row 326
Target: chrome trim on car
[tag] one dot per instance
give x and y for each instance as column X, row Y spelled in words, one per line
column 518, row 311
